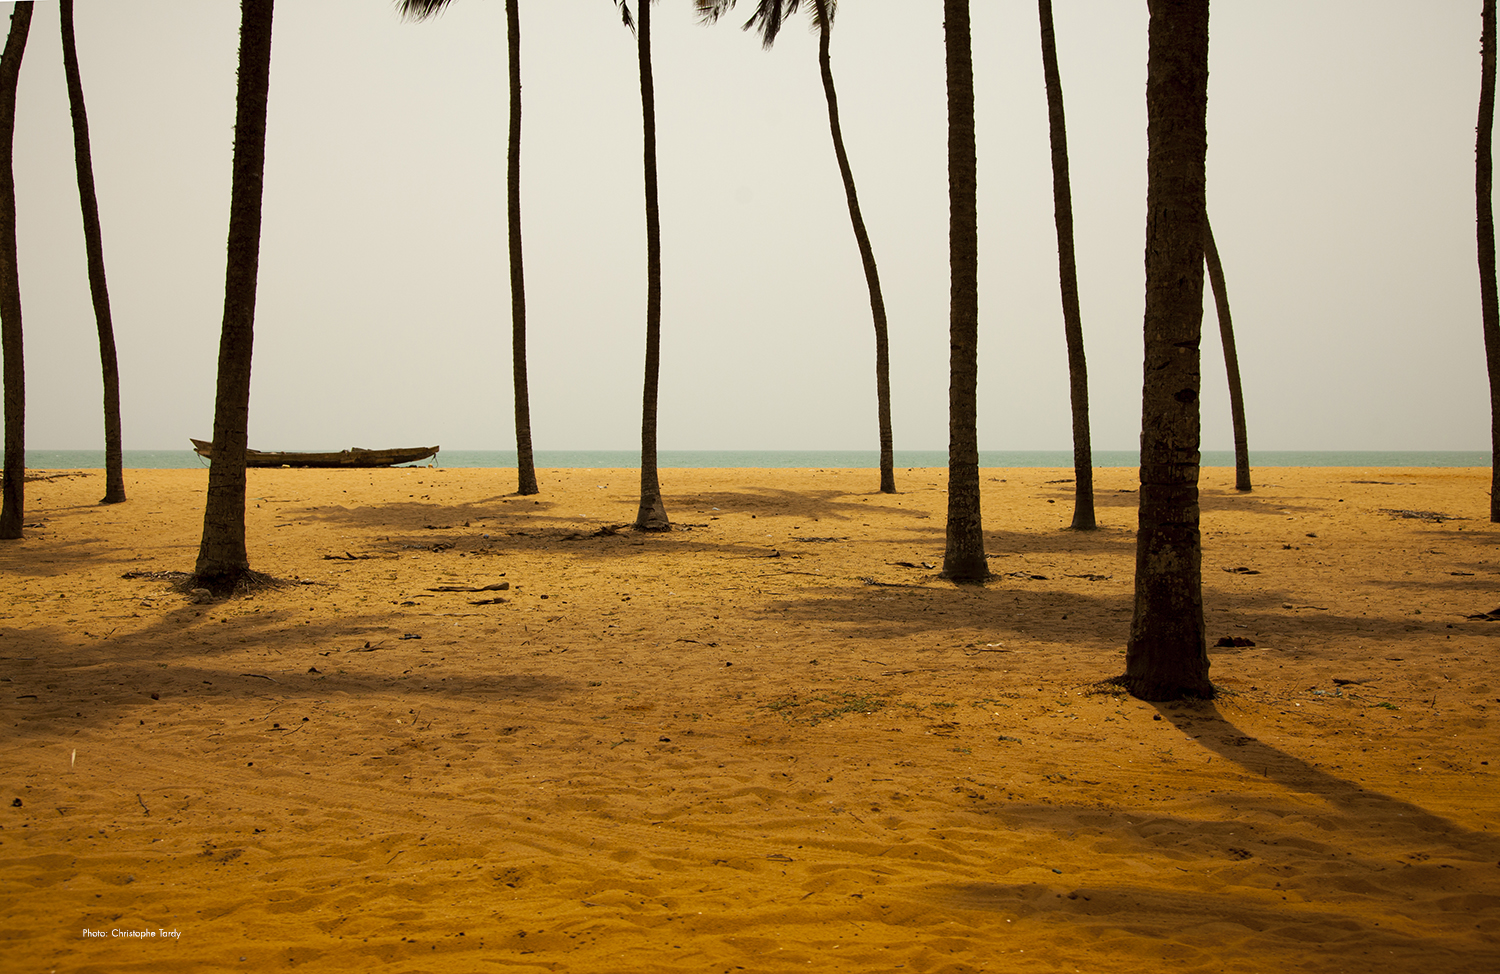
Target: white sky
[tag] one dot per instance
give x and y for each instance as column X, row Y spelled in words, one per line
column 1340, row 186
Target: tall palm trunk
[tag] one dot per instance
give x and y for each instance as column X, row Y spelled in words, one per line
column 93, row 239
column 525, row 463
column 963, row 559
column 222, row 560
column 1231, row 358
column 1489, row 302
column 13, row 505
column 652, row 515
column 1067, row 275
column 1167, row 655
column 866, row 256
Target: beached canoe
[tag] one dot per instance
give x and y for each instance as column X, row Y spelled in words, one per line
column 355, row 457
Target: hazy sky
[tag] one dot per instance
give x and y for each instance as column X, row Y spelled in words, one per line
column 1341, row 148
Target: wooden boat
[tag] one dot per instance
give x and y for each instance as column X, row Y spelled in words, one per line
column 355, row 457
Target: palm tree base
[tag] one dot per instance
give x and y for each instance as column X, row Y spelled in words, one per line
column 966, row 571
column 230, row 583
column 652, row 515
column 1156, row 689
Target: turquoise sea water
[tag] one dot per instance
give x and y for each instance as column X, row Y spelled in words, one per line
column 593, row 459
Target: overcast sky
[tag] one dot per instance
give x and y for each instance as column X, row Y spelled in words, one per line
column 1340, row 183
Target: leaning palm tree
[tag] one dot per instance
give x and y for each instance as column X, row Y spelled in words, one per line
column 652, row 513
column 1167, row 656
column 1067, row 275
column 525, row 461
column 222, row 561
column 1231, row 358
column 963, row 558
column 13, row 505
column 88, row 200
column 768, row 18
column 1489, row 301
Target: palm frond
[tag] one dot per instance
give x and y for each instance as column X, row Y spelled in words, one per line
column 625, row 17
column 768, row 17
column 420, row 9
column 709, row 11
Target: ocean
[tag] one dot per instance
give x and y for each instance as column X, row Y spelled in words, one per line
column 859, row 459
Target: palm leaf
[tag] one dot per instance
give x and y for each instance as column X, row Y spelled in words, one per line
column 421, row 9
column 768, row 17
column 625, row 17
column 709, row 11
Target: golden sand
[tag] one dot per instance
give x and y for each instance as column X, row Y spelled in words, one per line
column 771, row 740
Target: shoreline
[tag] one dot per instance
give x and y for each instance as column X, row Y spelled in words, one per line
column 815, row 459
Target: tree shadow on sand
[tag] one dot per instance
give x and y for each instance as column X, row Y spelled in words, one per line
column 178, row 657
column 1355, row 828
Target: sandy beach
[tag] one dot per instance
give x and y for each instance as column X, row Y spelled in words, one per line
column 475, row 731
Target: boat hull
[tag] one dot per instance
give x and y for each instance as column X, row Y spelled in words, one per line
column 355, row 457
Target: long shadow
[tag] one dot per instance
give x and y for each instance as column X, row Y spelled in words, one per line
column 1203, row 722
column 1201, row 919
column 1138, row 903
column 1000, row 542
column 40, row 555
column 401, row 515
column 1210, row 500
column 878, row 612
column 1154, row 911
column 796, row 503
column 1039, row 608
column 588, row 541
column 1451, row 583
column 172, row 659
column 769, row 502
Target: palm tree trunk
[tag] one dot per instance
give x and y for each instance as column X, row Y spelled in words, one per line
column 13, row 505
column 963, row 559
column 866, row 256
column 1231, row 358
column 93, row 239
column 1489, row 302
column 525, row 464
column 652, row 515
column 1067, row 275
column 1167, row 656
column 222, row 560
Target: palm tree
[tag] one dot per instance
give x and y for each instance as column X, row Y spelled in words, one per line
column 1231, row 358
column 222, row 561
column 114, row 473
column 525, row 461
column 1167, row 655
column 13, row 505
column 652, row 514
column 1489, row 302
column 1067, row 274
column 963, row 559
column 768, row 19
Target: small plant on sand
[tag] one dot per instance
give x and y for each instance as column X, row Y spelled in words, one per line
column 805, row 709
